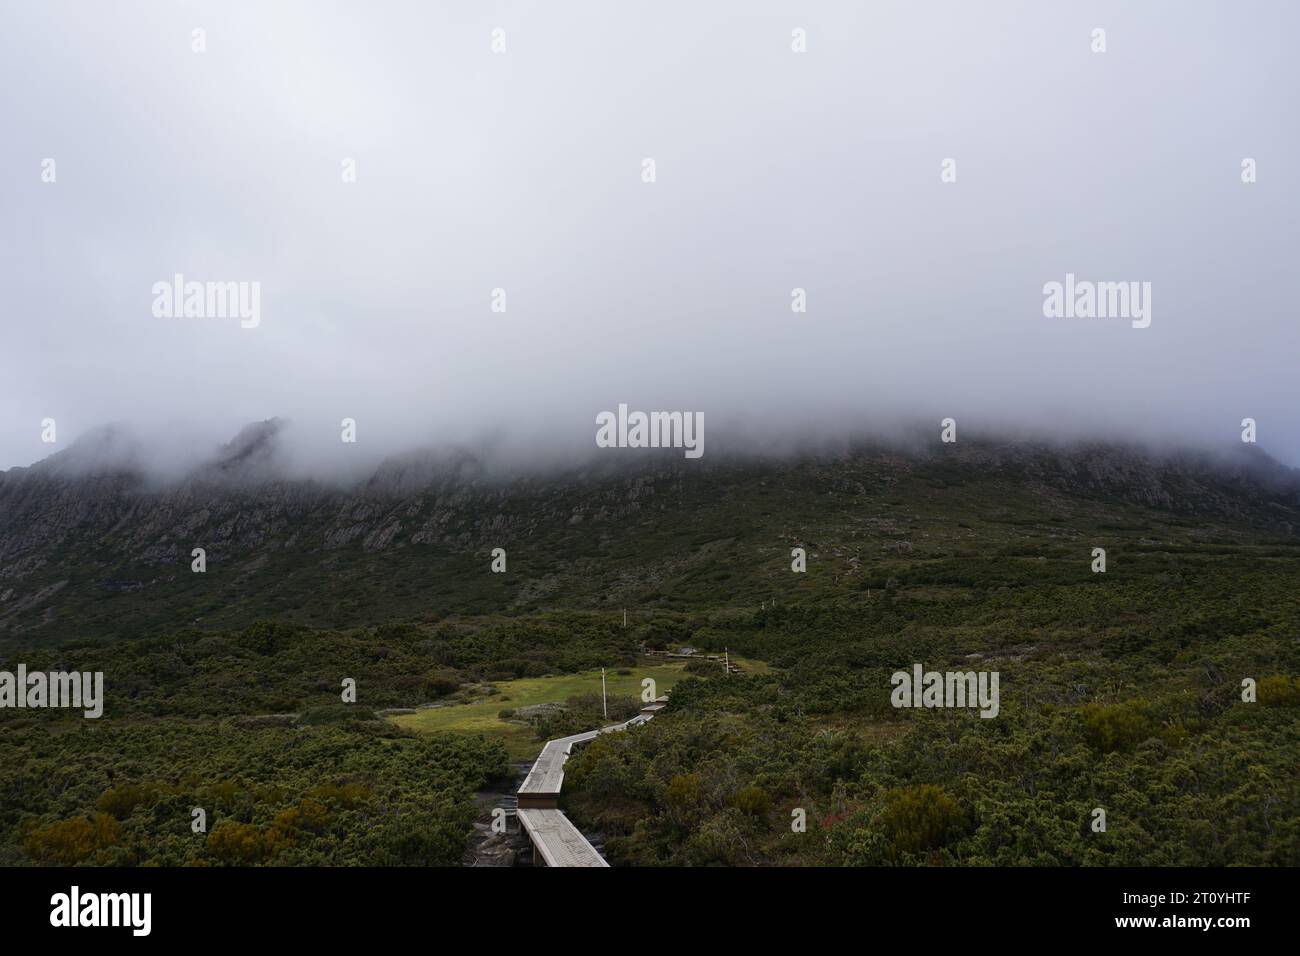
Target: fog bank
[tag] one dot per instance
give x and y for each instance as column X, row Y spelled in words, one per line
column 523, row 171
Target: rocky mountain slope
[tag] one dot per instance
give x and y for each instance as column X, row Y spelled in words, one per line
column 92, row 543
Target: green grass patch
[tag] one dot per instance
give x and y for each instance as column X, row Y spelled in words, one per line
column 483, row 716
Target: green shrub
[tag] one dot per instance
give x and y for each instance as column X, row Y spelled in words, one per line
column 920, row 818
column 347, row 795
column 1279, row 690
column 1111, row 727
column 684, row 797
column 120, row 801
column 334, row 714
column 752, row 800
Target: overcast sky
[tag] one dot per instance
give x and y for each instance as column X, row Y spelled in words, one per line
column 523, row 170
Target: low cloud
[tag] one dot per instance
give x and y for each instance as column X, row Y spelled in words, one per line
column 522, row 172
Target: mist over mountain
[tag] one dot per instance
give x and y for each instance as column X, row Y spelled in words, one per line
column 735, row 434
column 278, row 449
column 99, row 535
column 776, row 172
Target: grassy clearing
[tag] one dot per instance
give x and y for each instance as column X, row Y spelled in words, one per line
column 482, row 716
column 750, row 666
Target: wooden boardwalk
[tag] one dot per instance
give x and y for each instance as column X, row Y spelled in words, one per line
column 555, row 839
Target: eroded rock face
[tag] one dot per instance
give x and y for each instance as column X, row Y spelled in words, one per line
column 236, row 503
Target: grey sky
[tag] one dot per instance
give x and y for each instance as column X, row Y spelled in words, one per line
column 522, row 171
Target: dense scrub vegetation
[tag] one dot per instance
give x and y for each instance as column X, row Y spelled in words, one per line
column 1119, row 691
column 357, row 792
column 251, row 728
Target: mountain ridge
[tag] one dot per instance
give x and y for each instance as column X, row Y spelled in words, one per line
column 632, row 528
